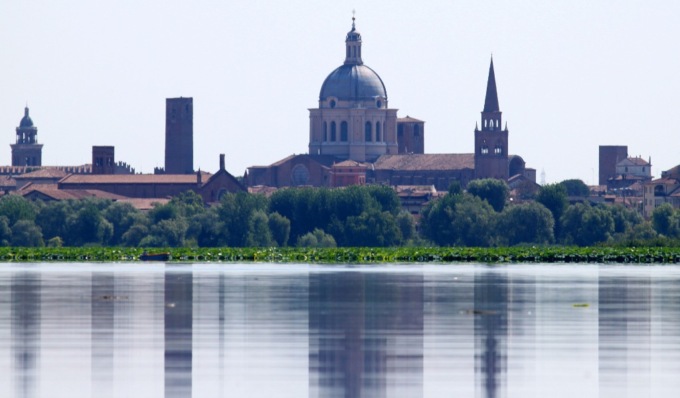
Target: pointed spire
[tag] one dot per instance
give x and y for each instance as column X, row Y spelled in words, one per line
column 491, row 100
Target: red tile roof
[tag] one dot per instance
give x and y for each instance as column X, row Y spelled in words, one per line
column 133, row 178
column 414, row 162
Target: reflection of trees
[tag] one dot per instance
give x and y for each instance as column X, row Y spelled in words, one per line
column 366, row 334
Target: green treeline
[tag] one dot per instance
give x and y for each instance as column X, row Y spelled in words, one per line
column 367, row 216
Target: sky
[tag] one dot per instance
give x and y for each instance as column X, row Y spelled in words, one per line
column 571, row 75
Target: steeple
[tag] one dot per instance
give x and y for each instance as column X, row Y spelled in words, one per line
column 353, row 46
column 491, row 101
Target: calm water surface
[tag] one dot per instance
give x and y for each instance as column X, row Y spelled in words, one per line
column 263, row 330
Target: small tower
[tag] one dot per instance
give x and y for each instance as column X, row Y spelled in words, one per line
column 491, row 141
column 179, row 136
column 103, row 160
column 26, row 151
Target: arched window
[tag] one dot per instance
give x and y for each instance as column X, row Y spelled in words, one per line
column 485, row 122
column 368, row 132
column 343, row 131
column 333, row 135
column 377, row 132
column 325, row 131
column 498, row 150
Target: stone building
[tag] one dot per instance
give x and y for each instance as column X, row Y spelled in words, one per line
column 353, row 120
column 26, row 151
column 354, row 123
column 662, row 190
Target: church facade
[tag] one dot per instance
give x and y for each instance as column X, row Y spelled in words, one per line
column 353, row 122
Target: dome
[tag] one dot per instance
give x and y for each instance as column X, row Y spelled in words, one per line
column 353, row 82
column 26, row 121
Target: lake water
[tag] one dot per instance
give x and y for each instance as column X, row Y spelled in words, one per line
column 287, row 330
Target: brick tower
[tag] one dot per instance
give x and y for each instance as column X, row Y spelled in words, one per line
column 26, row 151
column 491, row 141
column 179, row 135
column 103, row 160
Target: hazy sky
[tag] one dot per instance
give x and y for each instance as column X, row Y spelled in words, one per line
column 571, row 75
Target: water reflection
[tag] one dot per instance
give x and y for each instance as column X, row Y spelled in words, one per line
column 366, row 335
column 110, row 330
column 25, row 329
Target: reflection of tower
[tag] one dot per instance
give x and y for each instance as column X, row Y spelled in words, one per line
column 25, row 299
column 624, row 336
column 366, row 335
column 26, row 151
column 491, row 329
column 179, row 135
column 178, row 333
column 103, row 293
column 491, row 141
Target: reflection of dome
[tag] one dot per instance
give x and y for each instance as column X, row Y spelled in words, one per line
column 353, row 82
column 26, row 120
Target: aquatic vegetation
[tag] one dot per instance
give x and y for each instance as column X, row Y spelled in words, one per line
column 548, row 254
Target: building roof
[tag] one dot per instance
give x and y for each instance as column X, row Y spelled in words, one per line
column 353, row 80
column 7, row 181
column 350, row 163
column 409, row 119
column 414, row 162
column 633, row 162
column 45, row 173
column 51, row 191
column 26, row 121
column 134, row 178
column 491, row 100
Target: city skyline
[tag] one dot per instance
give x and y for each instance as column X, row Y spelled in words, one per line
column 571, row 76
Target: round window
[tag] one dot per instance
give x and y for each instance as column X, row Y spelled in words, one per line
column 300, row 175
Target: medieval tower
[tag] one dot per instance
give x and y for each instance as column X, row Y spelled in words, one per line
column 491, row 141
column 179, row 135
column 26, row 151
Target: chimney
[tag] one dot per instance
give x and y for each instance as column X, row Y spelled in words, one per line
column 221, row 161
column 199, row 177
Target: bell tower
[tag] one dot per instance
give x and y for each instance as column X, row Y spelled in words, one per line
column 26, row 151
column 491, row 141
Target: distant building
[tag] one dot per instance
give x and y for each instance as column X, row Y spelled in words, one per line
column 353, row 123
column 662, row 190
column 629, row 172
column 179, row 136
column 610, row 156
column 491, row 141
column 353, row 120
column 103, row 160
column 410, row 135
column 26, row 151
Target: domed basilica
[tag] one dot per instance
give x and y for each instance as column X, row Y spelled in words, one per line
column 356, row 138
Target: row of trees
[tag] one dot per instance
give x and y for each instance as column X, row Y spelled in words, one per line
column 481, row 217
column 353, row 216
